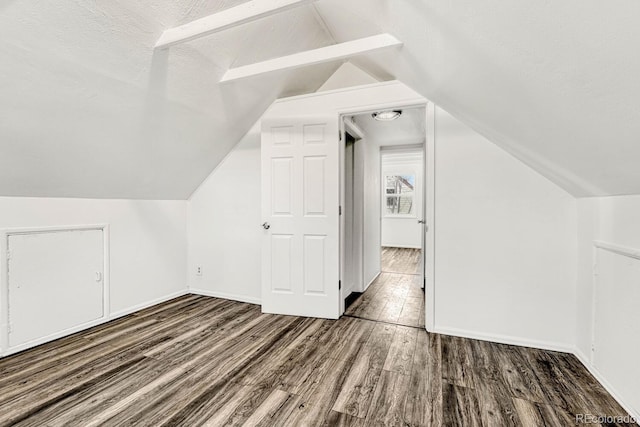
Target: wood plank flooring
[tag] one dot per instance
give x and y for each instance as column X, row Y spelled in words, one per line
column 396, row 296
column 400, row 260
column 197, row 361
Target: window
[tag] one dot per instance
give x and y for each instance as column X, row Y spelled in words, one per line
column 398, row 194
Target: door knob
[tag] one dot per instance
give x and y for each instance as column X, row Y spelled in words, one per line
column 422, row 221
column 266, row 226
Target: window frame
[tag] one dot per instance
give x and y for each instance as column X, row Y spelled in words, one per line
column 386, row 214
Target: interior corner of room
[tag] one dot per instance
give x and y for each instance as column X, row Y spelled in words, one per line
column 262, row 175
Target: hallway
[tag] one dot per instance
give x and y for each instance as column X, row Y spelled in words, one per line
column 396, row 295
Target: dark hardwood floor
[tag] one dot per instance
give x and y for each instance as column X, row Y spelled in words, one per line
column 204, row 361
column 396, row 296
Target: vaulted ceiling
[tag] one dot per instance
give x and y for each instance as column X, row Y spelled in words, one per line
column 89, row 109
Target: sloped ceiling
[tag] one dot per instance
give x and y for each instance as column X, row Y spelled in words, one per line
column 88, row 110
column 554, row 83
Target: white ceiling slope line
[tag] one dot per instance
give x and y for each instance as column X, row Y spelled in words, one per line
column 229, row 18
column 347, row 75
column 314, row 56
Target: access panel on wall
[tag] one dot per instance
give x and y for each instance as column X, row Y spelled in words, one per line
column 300, row 202
column 56, row 283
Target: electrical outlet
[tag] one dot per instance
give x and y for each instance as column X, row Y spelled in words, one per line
column 198, row 271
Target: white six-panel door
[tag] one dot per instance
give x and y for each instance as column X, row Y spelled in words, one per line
column 300, row 202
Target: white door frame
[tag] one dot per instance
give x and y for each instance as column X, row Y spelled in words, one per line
column 428, row 196
column 354, row 130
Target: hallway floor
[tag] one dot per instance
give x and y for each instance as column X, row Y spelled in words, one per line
column 396, row 296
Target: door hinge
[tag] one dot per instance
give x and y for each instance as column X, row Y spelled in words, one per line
column 339, row 284
column 10, row 328
column 339, row 210
column 8, row 255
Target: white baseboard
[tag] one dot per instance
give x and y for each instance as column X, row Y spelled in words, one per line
column 372, row 280
column 506, row 339
column 544, row 345
column 601, row 379
column 147, row 304
column 224, row 295
column 88, row 325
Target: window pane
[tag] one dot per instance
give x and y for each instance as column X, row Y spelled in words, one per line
column 391, row 183
column 396, row 184
column 405, row 206
column 392, row 205
column 399, row 194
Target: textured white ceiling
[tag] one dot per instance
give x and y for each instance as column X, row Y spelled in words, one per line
column 88, row 110
column 554, row 83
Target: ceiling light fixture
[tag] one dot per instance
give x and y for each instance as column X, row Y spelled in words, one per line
column 387, row 116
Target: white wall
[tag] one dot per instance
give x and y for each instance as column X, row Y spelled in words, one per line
column 147, row 241
column 225, row 236
column 224, row 226
column 505, row 249
column 608, row 300
column 403, row 232
column 505, row 244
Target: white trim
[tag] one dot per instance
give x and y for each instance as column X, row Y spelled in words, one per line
column 589, row 362
column 404, row 148
column 225, row 19
column 544, row 345
column 225, row 295
column 54, row 336
column 5, row 347
column 52, row 229
column 349, row 89
column 314, row 56
column 4, row 291
column 106, row 270
column 405, row 104
column 618, row 249
column 612, row 391
column 429, row 216
column 594, row 284
column 372, row 280
column 506, row 339
column 91, row 324
column 147, row 304
column 342, row 147
column 352, row 128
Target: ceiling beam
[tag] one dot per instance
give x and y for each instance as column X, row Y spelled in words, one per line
column 228, row 18
column 315, row 56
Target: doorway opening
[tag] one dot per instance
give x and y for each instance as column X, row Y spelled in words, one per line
column 383, row 217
